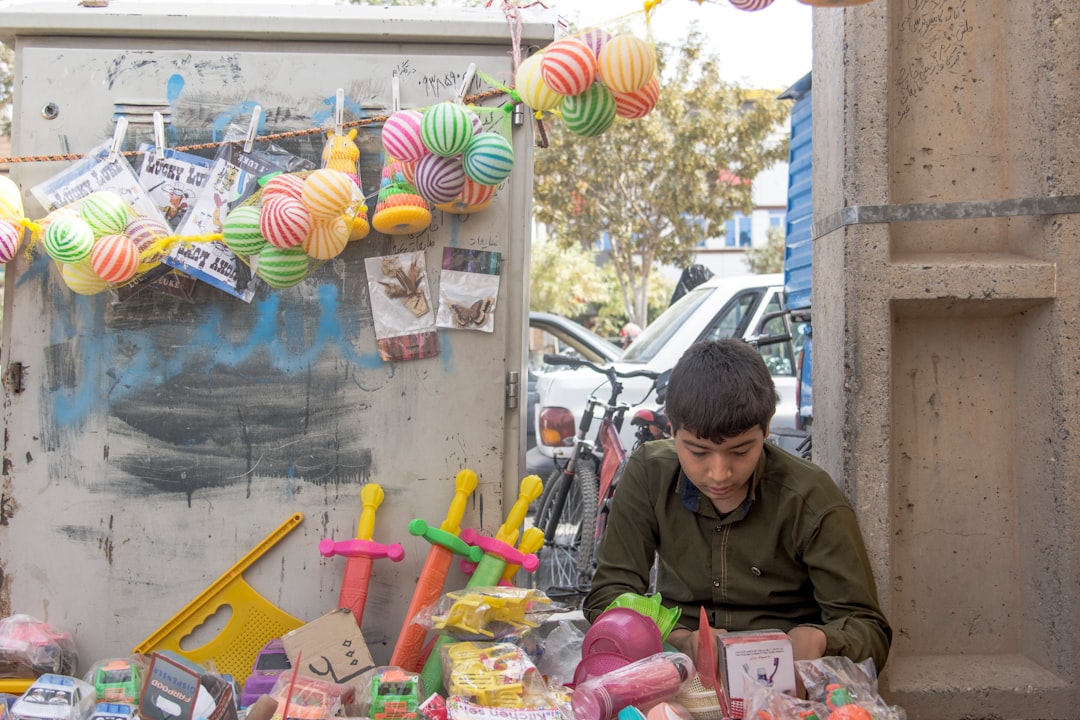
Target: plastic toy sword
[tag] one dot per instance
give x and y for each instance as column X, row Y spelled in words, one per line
column 361, row 553
column 445, row 543
column 499, row 551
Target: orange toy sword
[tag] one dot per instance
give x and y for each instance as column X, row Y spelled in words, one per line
column 361, row 553
column 445, row 543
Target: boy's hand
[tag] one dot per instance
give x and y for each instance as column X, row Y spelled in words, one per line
column 807, row 643
column 686, row 642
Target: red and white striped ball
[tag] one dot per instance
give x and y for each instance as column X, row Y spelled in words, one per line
column 751, row 4
column 568, row 66
column 439, row 179
column 595, row 39
column 284, row 221
column 284, row 184
column 531, row 88
column 401, row 136
column 327, row 239
column 11, row 235
column 474, row 197
column 626, row 63
column 115, row 258
column 327, row 193
column 640, row 103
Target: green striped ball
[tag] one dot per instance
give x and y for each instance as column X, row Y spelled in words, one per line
column 590, row 113
column 282, row 267
column 489, row 159
column 241, row 231
column 69, row 240
column 447, row 129
column 105, row 212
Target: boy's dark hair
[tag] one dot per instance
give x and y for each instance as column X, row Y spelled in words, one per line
column 720, row 389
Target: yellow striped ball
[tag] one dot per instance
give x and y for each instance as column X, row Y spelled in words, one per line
column 532, row 89
column 626, row 63
column 328, row 238
column 327, row 193
column 81, row 278
column 11, row 206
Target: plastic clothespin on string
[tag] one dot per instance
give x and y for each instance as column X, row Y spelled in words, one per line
column 159, row 136
column 253, row 128
column 470, row 73
column 339, row 112
column 117, row 138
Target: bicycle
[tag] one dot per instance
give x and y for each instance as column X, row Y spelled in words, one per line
column 572, row 508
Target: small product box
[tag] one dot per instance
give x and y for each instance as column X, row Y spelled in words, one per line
column 754, row 655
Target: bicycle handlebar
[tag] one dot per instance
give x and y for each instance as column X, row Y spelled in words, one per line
column 576, row 363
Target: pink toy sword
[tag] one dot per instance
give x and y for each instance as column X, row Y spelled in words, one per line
column 361, row 553
column 445, row 543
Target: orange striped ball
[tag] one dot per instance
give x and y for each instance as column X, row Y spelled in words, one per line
column 115, row 258
column 626, row 63
column 640, row 103
column 284, row 221
column 326, row 193
column 284, row 184
column 568, row 66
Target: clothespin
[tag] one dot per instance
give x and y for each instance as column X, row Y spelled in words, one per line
column 118, row 138
column 339, row 112
column 159, row 136
column 253, row 128
column 395, row 90
column 470, row 72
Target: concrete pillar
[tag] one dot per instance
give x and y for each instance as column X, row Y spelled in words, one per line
column 947, row 369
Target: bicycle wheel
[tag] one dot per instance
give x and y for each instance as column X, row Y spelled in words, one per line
column 560, row 571
column 587, row 539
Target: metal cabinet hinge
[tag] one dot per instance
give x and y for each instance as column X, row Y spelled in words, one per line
column 513, row 389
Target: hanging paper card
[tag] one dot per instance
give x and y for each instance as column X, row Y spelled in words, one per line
column 468, row 289
column 173, row 180
column 401, row 306
column 92, row 173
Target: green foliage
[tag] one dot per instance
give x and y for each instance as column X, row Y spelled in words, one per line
column 7, row 68
column 768, row 259
column 654, row 184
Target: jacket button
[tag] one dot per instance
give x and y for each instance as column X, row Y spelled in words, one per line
column 755, row 571
column 719, row 528
column 716, row 583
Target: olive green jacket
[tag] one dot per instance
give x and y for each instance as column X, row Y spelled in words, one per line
column 792, row 554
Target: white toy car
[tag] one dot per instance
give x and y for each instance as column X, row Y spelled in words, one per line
column 56, row 697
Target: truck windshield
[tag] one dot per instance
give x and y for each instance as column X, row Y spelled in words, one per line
column 656, row 335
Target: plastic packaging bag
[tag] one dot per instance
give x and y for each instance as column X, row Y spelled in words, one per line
column 486, row 613
column 30, row 648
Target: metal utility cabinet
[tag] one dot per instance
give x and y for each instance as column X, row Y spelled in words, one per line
column 152, row 443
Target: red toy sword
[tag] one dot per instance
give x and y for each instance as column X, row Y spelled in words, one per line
column 445, row 543
column 361, row 553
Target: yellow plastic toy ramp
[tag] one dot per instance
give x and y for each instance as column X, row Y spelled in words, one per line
column 254, row 622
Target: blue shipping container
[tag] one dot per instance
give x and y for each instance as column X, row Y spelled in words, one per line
column 798, row 238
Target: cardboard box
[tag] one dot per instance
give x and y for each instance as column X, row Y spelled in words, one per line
column 330, row 648
column 178, row 689
column 763, row 655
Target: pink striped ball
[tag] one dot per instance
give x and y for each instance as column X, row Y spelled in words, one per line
column 439, row 179
column 626, row 63
column 595, row 39
column 145, row 232
column 284, row 221
column 568, row 66
column 284, row 184
column 640, row 103
column 401, row 136
column 751, row 5
column 115, row 258
column 11, row 235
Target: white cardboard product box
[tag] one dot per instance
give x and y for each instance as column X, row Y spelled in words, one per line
column 761, row 655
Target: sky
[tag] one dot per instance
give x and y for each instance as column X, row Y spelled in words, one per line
column 768, row 48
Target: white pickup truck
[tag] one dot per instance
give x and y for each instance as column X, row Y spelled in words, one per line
column 750, row 307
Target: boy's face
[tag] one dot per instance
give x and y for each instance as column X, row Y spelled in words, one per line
column 721, row 471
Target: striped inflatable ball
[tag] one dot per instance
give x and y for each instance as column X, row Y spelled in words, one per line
column 81, row 278
column 69, row 240
column 148, row 234
column 11, row 235
column 595, row 39
column 284, row 221
column 568, row 66
column 489, row 159
column 11, row 206
column 751, row 4
column 327, row 193
column 532, row 89
column 115, row 258
column 328, row 238
column 401, row 136
column 474, row 197
column 626, row 63
column 282, row 267
column 446, row 129
column 283, row 184
column 105, row 212
column 590, row 113
column 640, row 103
column 439, row 179
column 241, row 232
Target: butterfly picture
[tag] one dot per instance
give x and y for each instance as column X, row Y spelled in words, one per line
column 475, row 315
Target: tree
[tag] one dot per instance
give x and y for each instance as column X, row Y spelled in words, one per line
column 768, row 259
column 7, row 62
column 657, row 187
